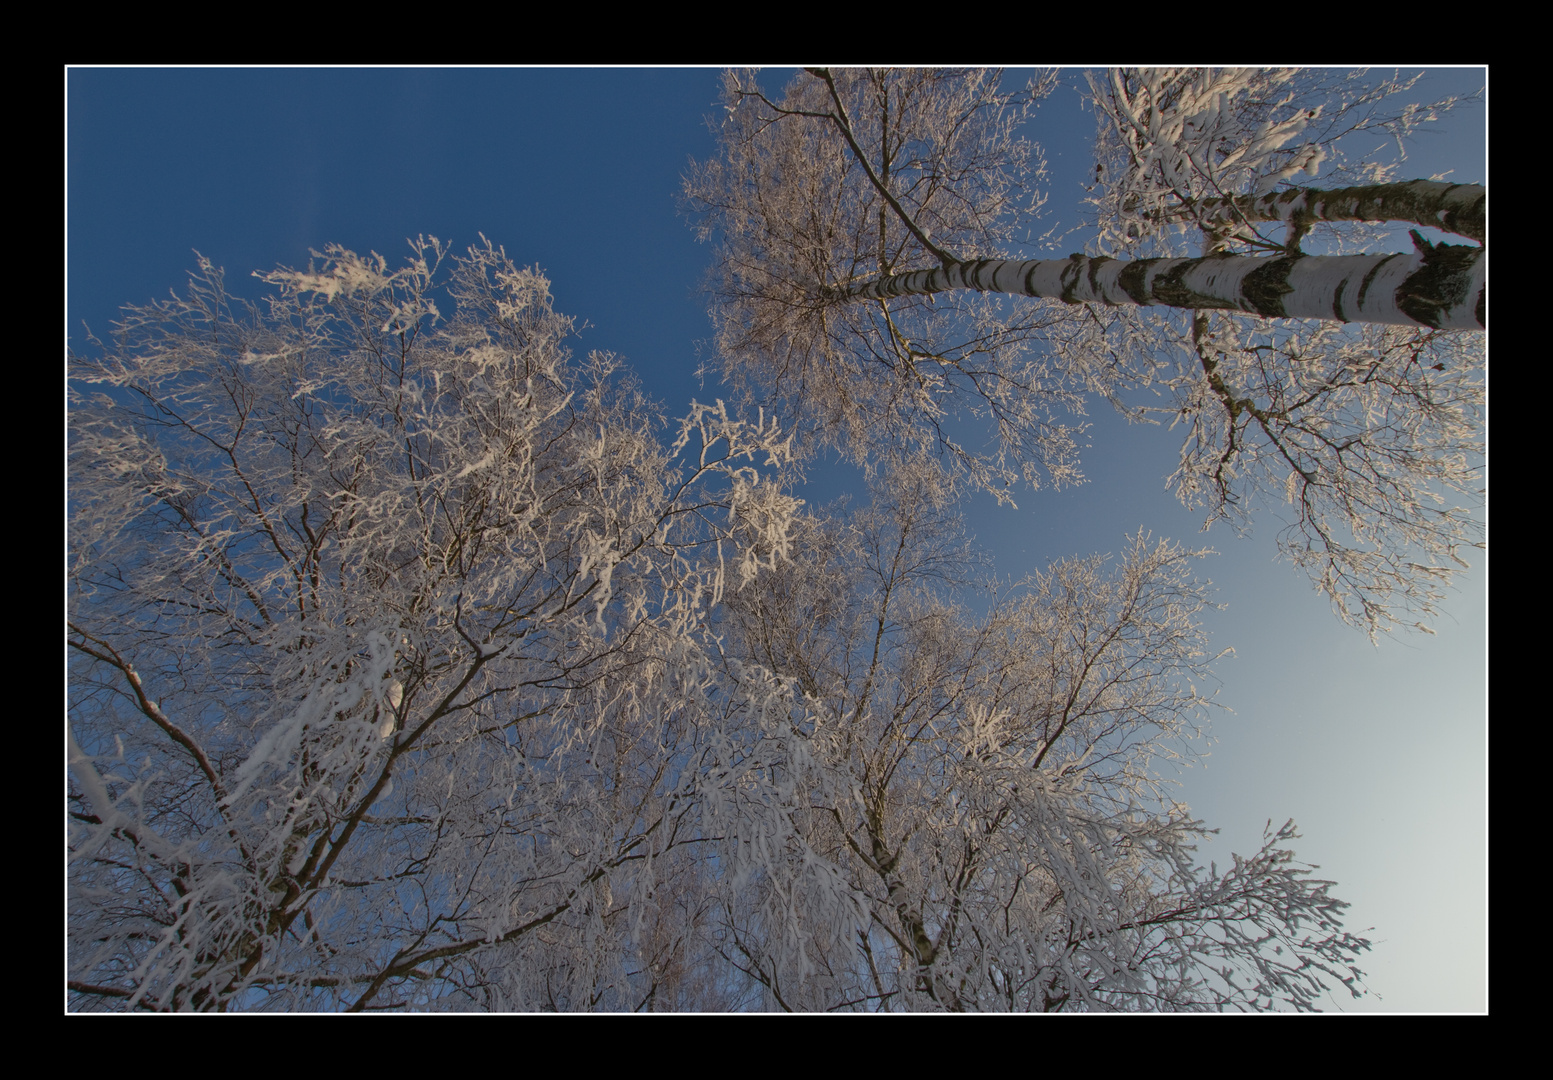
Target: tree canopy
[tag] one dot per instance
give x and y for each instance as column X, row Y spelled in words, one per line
column 420, row 663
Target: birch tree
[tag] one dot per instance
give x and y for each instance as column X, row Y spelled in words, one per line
column 388, row 684
column 866, row 276
column 988, row 784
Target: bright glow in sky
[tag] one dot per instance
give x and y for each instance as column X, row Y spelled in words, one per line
column 1380, row 754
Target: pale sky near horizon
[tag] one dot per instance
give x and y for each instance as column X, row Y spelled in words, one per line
column 1379, row 753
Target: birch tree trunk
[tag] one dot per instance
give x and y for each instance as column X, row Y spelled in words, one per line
column 1455, row 208
column 1439, row 286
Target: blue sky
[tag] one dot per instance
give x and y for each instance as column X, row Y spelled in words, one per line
column 1379, row 753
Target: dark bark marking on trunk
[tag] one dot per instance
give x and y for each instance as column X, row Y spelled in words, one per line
column 1070, row 276
column 1094, row 271
column 1133, row 280
column 1170, row 290
column 1440, row 284
column 1266, row 286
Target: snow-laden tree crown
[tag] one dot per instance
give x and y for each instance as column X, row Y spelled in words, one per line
column 418, row 663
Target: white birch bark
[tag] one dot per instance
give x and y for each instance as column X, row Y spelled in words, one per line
column 1454, row 208
column 1441, row 287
